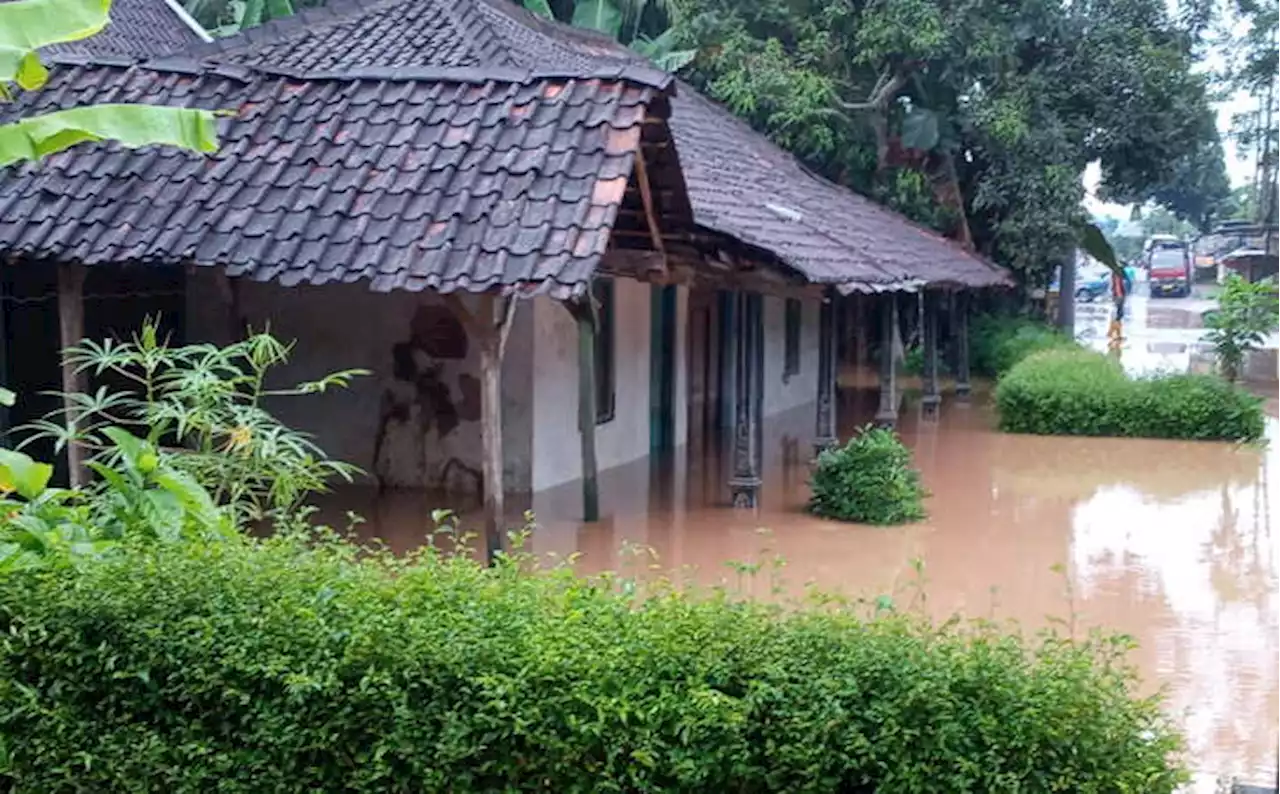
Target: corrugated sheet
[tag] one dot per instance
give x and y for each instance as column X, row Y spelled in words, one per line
column 439, row 179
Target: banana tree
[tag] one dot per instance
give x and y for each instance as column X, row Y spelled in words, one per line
column 25, row 26
column 623, row 20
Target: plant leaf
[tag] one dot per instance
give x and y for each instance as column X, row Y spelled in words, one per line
column 540, row 7
column 131, row 125
column 601, row 16
column 22, row 474
column 1094, row 243
column 26, row 25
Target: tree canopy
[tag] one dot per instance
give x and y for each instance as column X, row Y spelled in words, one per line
column 977, row 117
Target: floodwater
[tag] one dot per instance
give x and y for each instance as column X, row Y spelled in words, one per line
column 1171, row 542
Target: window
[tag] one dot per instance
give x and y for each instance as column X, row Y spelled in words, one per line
column 602, row 293
column 791, row 351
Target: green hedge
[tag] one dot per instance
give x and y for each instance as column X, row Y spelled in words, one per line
column 999, row 341
column 1084, row 393
column 870, row 480
column 277, row 666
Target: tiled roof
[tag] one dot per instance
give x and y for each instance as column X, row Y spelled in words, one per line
column 413, row 178
column 740, row 184
column 137, row 27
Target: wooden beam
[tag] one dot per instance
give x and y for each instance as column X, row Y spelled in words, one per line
column 71, row 333
column 489, row 326
column 646, row 198
column 929, row 333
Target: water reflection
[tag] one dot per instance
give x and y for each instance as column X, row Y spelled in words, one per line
column 1171, row 542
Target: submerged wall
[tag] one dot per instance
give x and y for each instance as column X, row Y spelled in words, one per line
column 414, row 421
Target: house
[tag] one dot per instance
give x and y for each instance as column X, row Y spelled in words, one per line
column 554, row 258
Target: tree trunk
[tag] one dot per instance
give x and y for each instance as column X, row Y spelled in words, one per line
column 1067, row 297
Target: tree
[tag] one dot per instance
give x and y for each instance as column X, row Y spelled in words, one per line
column 26, row 25
column 975, row 116
column 643, row 25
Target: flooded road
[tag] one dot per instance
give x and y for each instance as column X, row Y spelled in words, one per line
column 1171, row 542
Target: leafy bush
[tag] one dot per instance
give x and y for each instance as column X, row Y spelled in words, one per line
column 1083, row 393
column 297, row 665
column 869, row 480
column 139, row 495
column 1246, row 313
column 999, row 341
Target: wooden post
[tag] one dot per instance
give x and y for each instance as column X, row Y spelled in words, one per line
column 929, row 333
column 825, row 430
column 887, row 415
column 961, row 331
column 748, row 396
column 489, row 327
column 584, row 312
column 70, row 334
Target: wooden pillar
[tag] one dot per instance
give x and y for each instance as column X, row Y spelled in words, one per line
column 70, row 334
column 825, row 430
column 489, row 326
column 584, row 313
column 960, row 317
column 929, row 339
column 748, row 397
column 887, row 415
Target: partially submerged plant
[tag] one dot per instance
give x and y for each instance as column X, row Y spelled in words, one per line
column 202, row 407
column 870, row 480
column 1246, row 314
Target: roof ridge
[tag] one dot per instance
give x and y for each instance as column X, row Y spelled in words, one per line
column 187, row 64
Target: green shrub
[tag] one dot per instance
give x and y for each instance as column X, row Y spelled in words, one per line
column 1246, row 314
column 1083, row 393
column 869, row 480
column 999, row 341
column 286, row 665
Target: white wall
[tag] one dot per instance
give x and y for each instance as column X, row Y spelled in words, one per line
column 800, row 388
column 557, row 455
column 347, row 326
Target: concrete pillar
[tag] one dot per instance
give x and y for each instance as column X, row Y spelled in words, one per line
column 748, row 399
column 929, row 341
column 960, row 318
column 825, row 429
column 887, row 415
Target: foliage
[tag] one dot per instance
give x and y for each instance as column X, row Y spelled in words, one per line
column 643, row 25
column 205, row 408
column 870, row 480
column 1083, row 393
column 300, row 664
column 26, row 25
column 139, row 496
column 998, row 341
column 1246, row 314
column 1001, row 104
column 228, row 17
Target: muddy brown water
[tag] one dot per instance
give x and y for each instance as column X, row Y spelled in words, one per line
column 1170, row 542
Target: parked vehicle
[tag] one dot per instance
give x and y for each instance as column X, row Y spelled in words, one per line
column 1169, row 269
column 1091, row 289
